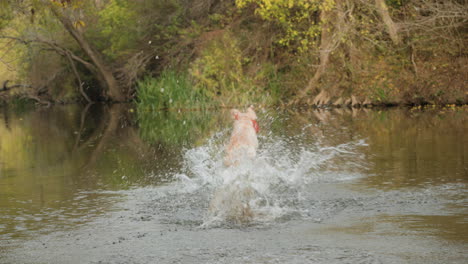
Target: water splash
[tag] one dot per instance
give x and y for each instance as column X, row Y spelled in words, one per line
column 267, row 188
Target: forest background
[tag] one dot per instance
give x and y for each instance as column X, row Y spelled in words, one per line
column 211, row 53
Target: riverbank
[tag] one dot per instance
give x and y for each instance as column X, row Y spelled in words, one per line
column 236, row 52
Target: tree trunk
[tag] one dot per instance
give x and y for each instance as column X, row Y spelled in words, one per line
column 324, row 53
column 332, row 31
column 104, row 74
column 392, row 28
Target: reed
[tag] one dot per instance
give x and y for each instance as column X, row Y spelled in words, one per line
column 171, row 90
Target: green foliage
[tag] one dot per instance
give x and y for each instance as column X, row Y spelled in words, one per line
column 169, row 90
column 219, row 74
column 396, row 3
column 232, row 57
column 297, row 18
column 5, row 14
column 162, row 22
column 119, row 26
column 381, row 94
column 273, row 91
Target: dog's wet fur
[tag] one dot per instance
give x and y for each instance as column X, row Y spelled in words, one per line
column 231, row 202
column 243, row 142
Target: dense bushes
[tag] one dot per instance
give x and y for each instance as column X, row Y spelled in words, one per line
column 236, row 52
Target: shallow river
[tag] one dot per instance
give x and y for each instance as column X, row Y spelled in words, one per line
column 103, row 184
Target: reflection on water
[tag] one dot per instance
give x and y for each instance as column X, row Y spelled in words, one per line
column 176, row 128
column 58, row 165
column 449, row 227
column 405, row 147
column 410, row 148
column 54, row 162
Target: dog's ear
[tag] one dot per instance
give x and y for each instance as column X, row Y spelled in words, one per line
column 235, row 114
column 251, row 113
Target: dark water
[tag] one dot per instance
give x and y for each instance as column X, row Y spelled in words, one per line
column 102, row 184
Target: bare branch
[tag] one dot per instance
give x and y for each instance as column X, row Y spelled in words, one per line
column 57, row 48
column 431, row 16
column 129, row 73
column 72, row 63
column 7, row 88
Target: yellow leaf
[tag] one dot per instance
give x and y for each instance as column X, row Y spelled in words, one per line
column 79, row 24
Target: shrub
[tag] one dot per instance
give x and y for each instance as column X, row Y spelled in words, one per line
column 218, row 73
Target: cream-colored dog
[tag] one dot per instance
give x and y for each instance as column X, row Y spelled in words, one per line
column 243, row 143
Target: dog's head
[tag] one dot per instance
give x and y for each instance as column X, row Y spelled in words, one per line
column 248, row 115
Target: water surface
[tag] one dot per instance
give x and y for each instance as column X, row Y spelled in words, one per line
column 103, row 184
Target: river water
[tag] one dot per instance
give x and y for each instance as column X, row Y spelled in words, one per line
column 104, row 184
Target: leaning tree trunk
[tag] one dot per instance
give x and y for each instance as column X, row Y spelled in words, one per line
column 392, row 28
column 324, row 53
column 104, row 74
column 332, row 30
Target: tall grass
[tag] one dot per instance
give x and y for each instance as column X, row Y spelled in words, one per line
column 170, row 90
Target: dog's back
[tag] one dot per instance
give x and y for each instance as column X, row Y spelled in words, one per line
column 243, row 142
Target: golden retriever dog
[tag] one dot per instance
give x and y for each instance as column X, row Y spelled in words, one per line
column 232, row 201
column 243, row 142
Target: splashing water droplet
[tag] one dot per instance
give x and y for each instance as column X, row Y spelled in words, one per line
column 272, row 186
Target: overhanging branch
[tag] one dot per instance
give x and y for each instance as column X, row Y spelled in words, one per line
column 7, row 88
column 57, row 48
